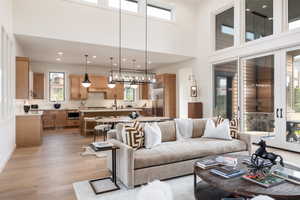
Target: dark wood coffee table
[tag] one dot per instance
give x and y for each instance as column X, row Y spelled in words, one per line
column 238, row 186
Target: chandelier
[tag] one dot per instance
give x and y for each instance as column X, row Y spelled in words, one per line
column 132, row 77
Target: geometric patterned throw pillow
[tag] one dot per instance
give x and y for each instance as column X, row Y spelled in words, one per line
column 233, row 125
column 134, row 136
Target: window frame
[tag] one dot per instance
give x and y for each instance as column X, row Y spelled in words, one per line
column 286, row 18
column 138, row 3
column 134, row 93
column 213, row 23
column 161, row 6
column 49, row 86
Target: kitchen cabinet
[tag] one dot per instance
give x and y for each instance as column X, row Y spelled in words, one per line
column 28, row 130
column 99, row 83
column 165, row 95
column 77, row 92
column 22, row 78
column 195, row 110
column 58, row 119
column 38, row 86
column 144, row 91
column 118, row 91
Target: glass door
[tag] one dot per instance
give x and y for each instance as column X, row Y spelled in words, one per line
column 258, row 96
column 226, row 90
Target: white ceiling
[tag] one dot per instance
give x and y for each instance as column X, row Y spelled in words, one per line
column 46, row 50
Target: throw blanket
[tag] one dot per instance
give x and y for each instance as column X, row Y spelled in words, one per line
column 184, row 128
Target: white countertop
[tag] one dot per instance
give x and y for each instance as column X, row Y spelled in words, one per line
column 30, row 113
column 110, row 110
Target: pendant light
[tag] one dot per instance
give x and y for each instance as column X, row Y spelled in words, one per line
column 86, row 82
column 111, row 83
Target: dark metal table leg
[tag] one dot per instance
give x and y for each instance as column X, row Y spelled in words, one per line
column 114, row 178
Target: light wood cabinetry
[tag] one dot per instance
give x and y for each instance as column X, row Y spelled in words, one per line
column 118, row 91
column 58, row 119
column 168, row 83
column 22, row 78
column 77, row 92
column 29, row 131
column 38, row 86
column 144, row 91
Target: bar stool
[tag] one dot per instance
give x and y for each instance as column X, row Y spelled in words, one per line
column 101, row 130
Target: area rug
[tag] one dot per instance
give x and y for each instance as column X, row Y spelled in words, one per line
column 182, row 190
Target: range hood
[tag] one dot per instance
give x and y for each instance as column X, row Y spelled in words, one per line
column 97, row 90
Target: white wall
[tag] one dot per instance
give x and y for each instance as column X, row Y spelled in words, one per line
column 60, row 19
column 7, row 117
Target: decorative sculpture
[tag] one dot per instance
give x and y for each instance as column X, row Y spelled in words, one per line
column 262, row 161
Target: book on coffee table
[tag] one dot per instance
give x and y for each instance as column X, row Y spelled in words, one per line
column 207, row 164
column 228, row 172
column 290, row 175
column 264, row 181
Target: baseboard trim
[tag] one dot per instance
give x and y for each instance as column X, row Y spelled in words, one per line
column 5, row 160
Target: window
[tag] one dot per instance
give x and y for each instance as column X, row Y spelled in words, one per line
column 90, row 1
column 294, row 14
column 129, row 93
column 57, row 86
column 259, row 19
column 128, row 5
column 159, row 12
column 225, row 29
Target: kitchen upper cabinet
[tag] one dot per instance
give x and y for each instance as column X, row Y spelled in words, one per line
column 118, row 91
column 99, row 83
column 144, row 91
column 77, row 92
column 22, row 78
column 38, row 86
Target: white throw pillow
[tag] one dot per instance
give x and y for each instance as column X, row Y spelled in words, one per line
column 220, row 132
column 152, row 135
column 184, row 129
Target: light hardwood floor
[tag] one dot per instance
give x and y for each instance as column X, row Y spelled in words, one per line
column 47, row 172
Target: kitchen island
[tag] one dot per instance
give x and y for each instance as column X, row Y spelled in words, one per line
column 87, row 122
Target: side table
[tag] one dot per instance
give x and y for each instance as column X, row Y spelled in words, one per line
column 108, row 184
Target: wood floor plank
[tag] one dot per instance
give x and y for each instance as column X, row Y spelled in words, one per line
column 47, row 172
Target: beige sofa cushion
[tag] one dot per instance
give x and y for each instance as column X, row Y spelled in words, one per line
column 177, row 151
column 168, row 131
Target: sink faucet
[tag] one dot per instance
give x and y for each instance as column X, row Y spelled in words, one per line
column 115, row 102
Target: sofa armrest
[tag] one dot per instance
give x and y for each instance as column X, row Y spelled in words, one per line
column 247, row 139
column 125, row 163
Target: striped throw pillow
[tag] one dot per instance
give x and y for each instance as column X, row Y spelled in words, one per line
column 233, row 124
column 134, row 136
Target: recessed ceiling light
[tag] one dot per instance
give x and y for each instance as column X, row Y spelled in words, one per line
column 58, row 59
column 138, row 66
column 60, row 53
column 94, row 57
column 248, row 10
column 89, row 62
column 264, row 6
column 124, row 59
column 115, row 64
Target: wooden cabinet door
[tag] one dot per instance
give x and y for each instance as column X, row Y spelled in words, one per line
column 169, row 82
column 60, row 119
column 38, row 86
column 144, row 91
column 22, row 78
column 77, row 92
column 48, row 119
column 118, row 91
